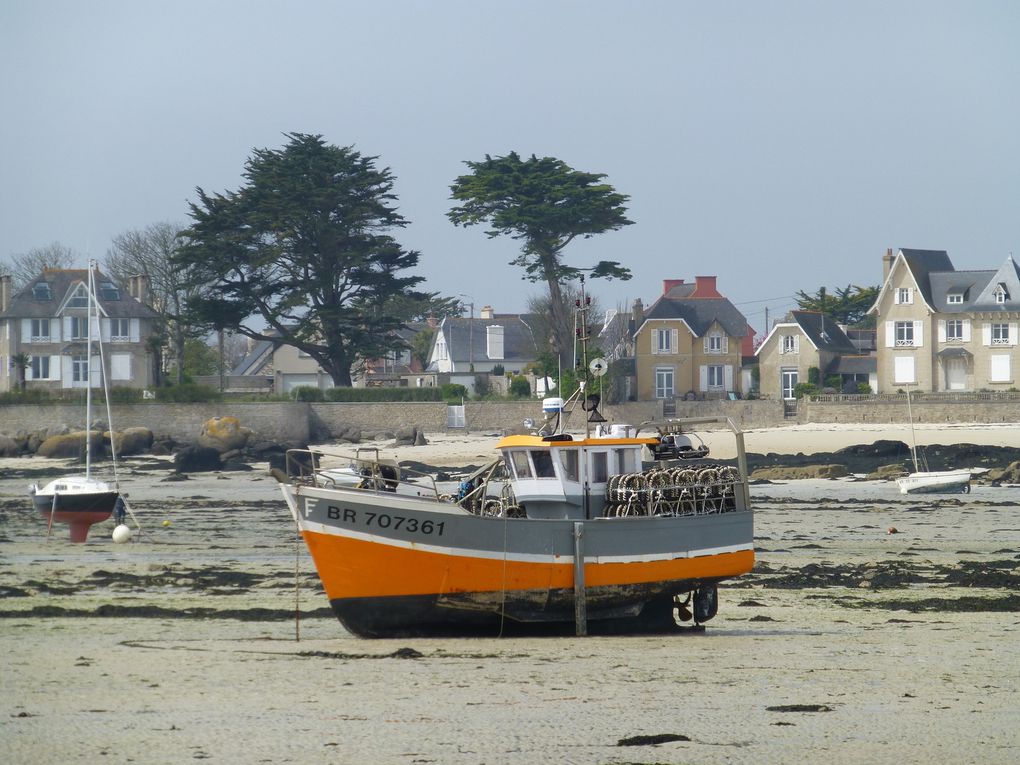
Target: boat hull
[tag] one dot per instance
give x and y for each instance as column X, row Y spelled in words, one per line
column 79, row 511
column 940, row 482
column 398, row 566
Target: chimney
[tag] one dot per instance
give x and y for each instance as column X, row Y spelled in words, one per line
column 704, row 287
column 639, row 313
column 5, row 292
column 668, row 284
column 138, row 287
column 486, row 312
column 887, row 261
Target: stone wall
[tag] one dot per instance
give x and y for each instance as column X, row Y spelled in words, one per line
column 925, row 407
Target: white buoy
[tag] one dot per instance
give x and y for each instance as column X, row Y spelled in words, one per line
column 122, row 533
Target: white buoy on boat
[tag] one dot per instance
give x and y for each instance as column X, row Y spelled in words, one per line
column 122, row 533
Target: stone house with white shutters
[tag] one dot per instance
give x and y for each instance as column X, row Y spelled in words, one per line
column 940, row 329
column 47, row 321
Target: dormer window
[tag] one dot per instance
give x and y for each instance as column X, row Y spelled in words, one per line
column 1000, row 294
column 954, row 298
column 109, row 291
column 41, row 291
column 80, row 298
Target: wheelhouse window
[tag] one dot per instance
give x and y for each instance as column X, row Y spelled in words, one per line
column 569, row 461
column 599, row 467
column 905, row 333
column 543, row 463
column 954, row 330
column 522, row 468
column 623, row 462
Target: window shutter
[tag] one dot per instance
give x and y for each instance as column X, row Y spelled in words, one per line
column 890, row 334
column 903, row 369
column 67, row 328
column 55, row 367
column 1012, row 333
column 705, row 343
column 674, row 338
column 942, row 330
column 796, row 343
column 1000, row 371
column 966, row 330
column 64, row 365
column 725, row 344
column 104, row 327
column 728, row 377
column 896, row 296
column 655, row 340
column 26, row 330
column 703, row 378
column 120, row 366
column 918, row 334
column 55, row 330
column 986, row 333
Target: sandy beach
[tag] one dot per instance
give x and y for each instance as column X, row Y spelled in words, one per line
column 848, row 643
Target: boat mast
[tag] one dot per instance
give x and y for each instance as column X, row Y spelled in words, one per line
column 88, row 372
column 582, row 304
column 913, row 437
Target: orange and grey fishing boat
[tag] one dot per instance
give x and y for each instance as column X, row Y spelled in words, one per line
column 563, row 531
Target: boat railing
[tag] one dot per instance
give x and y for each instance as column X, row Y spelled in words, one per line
column 364, row 471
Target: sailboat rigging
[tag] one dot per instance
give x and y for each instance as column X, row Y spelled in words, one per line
column 930, row 481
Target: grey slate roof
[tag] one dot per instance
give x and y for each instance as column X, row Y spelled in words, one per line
column 24, row 304
column 255, row 360
column 519, row 345
column 1008, row 276
column 824, row 332
column 699, row 313
column 968, row 283
column 922, row 264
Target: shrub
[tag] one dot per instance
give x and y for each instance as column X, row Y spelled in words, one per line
column 27, row 396
column 863, row 388
column 187, row 393
column 804, row 389
column 307, row 393
column 125, row 395
column 498, row 370
column 520, row 387
column 814, row 376
column 482, row 386
column 454, row 392
column 383, row 394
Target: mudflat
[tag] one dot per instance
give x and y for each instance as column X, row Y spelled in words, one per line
column 876, row 628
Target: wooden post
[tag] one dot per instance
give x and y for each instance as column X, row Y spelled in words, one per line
column 580, row 604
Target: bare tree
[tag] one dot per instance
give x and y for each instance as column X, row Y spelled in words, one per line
column 24, row 268
column 148, row 252
column 539, row 306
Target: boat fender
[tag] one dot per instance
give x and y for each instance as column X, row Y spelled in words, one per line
column 706, row 603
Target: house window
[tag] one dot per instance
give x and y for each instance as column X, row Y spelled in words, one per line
column 80, row 369
column 954, row 330
column 905, row 295
column 954, row 298
column 716, row 379
column 79, row 327
column 41, row 291
column 715, row 343
column 662, row 341
column 1000, row 334
column 120, row 330
column 40, row 367
column 109, row 291
column 664, row 382
column 905, row 333
column 1001, row 296
column 40, row 330
column 80, row 298
column 789, row 344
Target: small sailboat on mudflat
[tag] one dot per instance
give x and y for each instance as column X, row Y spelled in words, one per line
column 930, row 481
column 82, row 500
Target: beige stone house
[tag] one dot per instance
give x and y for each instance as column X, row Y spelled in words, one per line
column 807, row 339
column 47, row 322
column 690, row 343
column 940, row 329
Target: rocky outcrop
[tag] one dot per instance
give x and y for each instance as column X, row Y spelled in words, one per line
column 412, row 436
column 72, row 445
column 9, row 447
column 197, row 459
column 796, row 473
column 224, row 434
column 131, row 441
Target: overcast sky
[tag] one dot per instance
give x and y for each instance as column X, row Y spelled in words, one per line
column 780, row 146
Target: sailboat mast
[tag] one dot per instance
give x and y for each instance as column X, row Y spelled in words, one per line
column 88, row 374
column 913, row 437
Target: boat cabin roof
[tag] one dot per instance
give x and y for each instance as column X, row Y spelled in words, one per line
column 540, row 442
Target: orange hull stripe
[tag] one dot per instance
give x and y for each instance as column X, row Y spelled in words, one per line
column 353, row 568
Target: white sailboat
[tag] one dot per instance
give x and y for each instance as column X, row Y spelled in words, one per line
column 81, row 501
column 930, row 481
